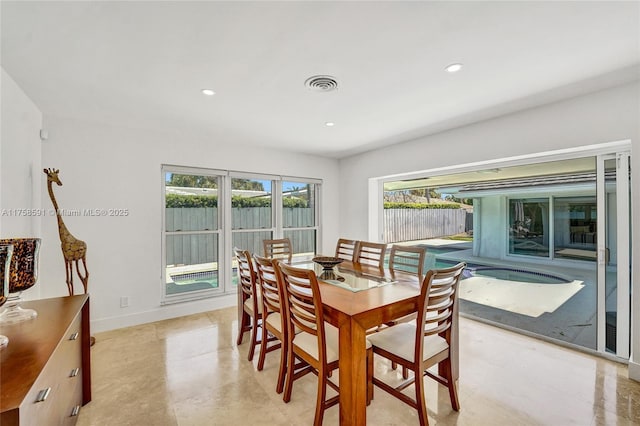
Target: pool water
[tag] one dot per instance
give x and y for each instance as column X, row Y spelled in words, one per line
column 497, row 272
column 512, row 274
column 192, row 281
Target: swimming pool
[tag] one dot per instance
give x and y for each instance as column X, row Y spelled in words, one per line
column 513, row 274
column 505, row 273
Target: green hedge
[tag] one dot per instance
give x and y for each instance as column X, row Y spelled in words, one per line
column 176, row 200
column 390, row 205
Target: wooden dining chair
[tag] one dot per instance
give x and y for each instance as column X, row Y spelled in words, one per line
column 407, row 259
column 273, row 316
column 316, row 345
column 249, row 303
column 418, row 346
column 278, row 249
column 346, row 249
column 370, row 254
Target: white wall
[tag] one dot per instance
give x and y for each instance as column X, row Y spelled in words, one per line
column 604, row 116
column 114, row 167
column 19, row 156
column 490, row 224
column 20, row 144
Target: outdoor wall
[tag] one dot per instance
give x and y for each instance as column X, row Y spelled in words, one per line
column 604, row 116
column 20, row 146
column 104, row 167
column 491, row 223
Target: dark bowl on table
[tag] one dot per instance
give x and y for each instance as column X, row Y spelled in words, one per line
column 327, row 262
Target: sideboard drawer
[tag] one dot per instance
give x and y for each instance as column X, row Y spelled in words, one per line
column 45, row 382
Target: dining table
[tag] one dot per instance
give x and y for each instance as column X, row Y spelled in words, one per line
column 357, row 298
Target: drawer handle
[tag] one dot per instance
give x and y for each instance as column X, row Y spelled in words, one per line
column 43, row 395
column 74, row 372
column 75, row 411
column 74, row 336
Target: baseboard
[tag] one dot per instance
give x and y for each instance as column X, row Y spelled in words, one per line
column 163, row 313
column 634, row 371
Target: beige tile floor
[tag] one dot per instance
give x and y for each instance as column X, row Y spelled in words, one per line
column 188, row 371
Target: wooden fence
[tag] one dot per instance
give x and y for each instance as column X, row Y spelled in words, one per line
column 422, row 224
column 203, row 248
column 399, row 225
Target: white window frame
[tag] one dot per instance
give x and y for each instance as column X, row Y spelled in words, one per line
column 224, row 227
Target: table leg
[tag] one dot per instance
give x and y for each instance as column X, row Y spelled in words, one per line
column 353, row 377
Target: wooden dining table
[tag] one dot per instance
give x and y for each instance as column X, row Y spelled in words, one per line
column 368, row 297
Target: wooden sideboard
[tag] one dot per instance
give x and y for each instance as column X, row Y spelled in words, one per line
column 45, row 370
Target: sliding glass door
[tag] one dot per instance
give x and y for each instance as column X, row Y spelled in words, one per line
column 550, row 251
column 614, row 254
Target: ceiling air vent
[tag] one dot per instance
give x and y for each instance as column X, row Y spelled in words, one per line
column 321, row 83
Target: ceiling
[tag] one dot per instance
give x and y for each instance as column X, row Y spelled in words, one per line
column 143, row 64
column 453, row 182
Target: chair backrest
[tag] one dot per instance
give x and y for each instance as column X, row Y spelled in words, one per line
column 246, row 274
column 346, row 249
column 303, row 304
column 408, row 259
column 370, row 254
column 268, row 280
column 278, row 249
column 436, row 305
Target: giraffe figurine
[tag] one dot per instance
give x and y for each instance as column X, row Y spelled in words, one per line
column 73, row 249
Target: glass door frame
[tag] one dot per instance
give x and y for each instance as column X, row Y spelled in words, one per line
column 615, row 149
column 623, row 281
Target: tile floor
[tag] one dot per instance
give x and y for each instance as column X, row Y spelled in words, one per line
column 188, row 371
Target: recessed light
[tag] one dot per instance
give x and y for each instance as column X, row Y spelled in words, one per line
column 329, row 124
column 453, row 68
column 208, row 92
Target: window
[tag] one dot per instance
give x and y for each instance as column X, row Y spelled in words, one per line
column 209, row 212
column 575, row 225
column 529, row 226
column 299, row 218
column 191, row 233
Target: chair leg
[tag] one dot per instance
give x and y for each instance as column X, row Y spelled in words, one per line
column 369, row 375
column 242, row 327
column 263, row 347
column 420, row 402
column 451, row 384
column 254, row 339
column 288, row 386
column 394, row 365
column 283, row 367
column 322, row 393
column 405, row 373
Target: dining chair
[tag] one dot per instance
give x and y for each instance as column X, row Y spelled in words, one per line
column 407, row 259
column 278, row 249
column 370, row 254
column 273, row 316
column 316, row 345
column 249, row 303
column 346, row 249
column 428, row 342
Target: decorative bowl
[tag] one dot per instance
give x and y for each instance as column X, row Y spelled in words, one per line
column 327, row 262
